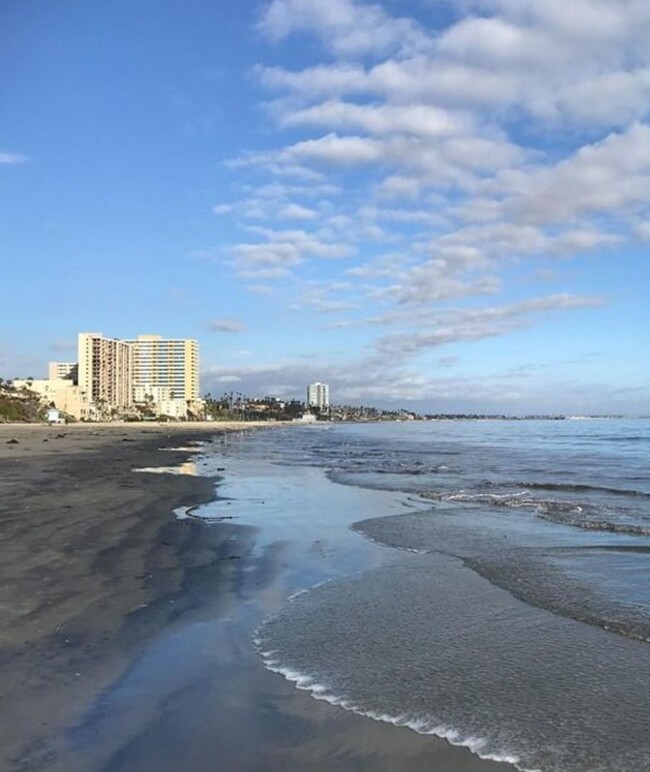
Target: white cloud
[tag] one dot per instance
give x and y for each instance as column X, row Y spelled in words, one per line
column 12, row 159
column 455, row 326
column 611, row 98
column 581, row 240
column 346, row 27
column 589, row 64
column 458, row 161
column 391, row 266
column 423, row 120
column 256, row 273
column 607, row 176
column 314, row 82
column 324, row 297
column 495, row 42
column 440, row 279
column 278, row 254
column 427, row 124
column 297, row 212
column 333, row 149
column 225, row 325
column 222, row 209
column 398, row 215
column 305, row 243
column 282, row 250
column 399, row 186
column 642, row 231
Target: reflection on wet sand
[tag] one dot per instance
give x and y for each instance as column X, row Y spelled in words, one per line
column 188, row 468
column 197, row 696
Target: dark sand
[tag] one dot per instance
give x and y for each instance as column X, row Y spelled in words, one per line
column 92, row 565
column 95, row 570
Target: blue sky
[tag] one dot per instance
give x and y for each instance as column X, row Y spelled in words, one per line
column 433, row 204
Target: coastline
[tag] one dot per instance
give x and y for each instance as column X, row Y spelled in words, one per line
column 91, row 563
column 134, row 627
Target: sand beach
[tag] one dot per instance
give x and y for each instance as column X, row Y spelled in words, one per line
column 125, row 633
column 84, row 547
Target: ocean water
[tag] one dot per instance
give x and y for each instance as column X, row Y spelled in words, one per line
column 515, row 618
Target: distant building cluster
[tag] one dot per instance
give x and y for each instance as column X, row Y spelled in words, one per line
column 149, row 376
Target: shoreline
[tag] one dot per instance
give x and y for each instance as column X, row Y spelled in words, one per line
column 105, row 584
column 144, row 426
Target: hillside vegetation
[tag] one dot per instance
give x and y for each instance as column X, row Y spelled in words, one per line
column 23, row 406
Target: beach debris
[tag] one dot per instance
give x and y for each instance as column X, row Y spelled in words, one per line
column 13, row 441
column 59, row 436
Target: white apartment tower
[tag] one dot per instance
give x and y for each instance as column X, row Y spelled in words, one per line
column 165, row 368
column 105, row 371
column 318, row 395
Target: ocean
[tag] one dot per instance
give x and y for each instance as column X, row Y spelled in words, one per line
column 514, row 615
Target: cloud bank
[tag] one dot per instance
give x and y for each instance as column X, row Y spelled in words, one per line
column 432, row 163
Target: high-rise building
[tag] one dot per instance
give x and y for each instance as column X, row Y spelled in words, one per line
column 150, row 375
column 166, row 364
column 68, row 371
column 105, row 372
column 318, row 395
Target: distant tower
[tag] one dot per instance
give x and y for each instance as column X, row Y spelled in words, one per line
column 318, row 396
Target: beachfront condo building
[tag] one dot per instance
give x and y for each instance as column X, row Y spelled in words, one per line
column 150, row 376
column 318, row 395
column 165, row 368
column 105, row 372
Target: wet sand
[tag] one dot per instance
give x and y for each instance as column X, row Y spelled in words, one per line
column 91, row 564
column 110, row 658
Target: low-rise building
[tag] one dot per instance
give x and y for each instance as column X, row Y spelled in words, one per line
column 173, row 408
column 68, row 371
column 160, row 401
column 63, row 393
column 305, row 418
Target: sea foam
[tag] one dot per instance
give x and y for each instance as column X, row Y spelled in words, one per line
column 477, row 745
